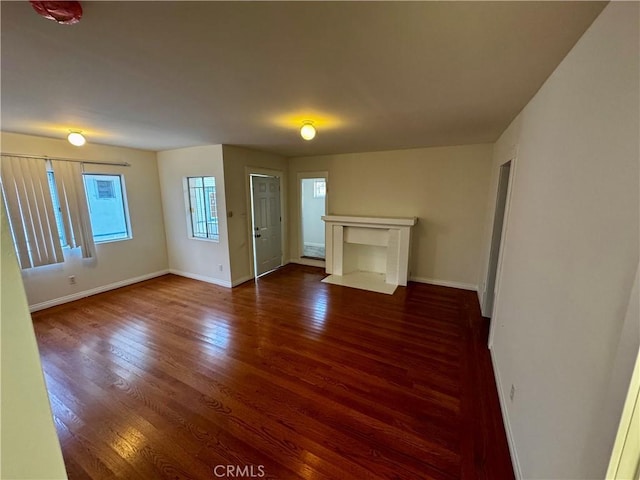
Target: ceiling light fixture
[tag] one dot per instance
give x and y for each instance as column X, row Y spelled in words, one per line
column 308, row 131
column 76, row 138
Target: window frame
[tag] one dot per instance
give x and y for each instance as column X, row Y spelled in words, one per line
column 125, row 206
column 188, row 208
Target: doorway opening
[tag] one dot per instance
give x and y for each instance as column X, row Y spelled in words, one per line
column 266, row 223
column 497, row 235
column 313, row 206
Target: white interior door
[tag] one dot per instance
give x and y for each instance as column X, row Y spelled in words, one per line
column 267, row 231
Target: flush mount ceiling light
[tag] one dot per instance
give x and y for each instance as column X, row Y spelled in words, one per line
column 76, row 138
column 308, row 131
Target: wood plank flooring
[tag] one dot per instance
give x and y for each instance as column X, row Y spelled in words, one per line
column 283, row 378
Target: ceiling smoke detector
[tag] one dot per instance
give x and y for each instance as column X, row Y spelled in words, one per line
column 64, row 13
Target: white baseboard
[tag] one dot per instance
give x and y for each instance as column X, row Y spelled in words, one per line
column 505, row 420
column 202, row 278
column 445, row 283
column 309, row 262
column 481, row 302
column 94, row 291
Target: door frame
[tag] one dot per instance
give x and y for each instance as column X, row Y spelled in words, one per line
column 249, row 171
column 513, row 157
column 300, row 177
column 625, row 454
column 495, row 245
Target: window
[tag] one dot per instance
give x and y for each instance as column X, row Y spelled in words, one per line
column 57, row 210
column 319, row 188
column 203, row 207
column 51, row 204
column 107, row 207
column 105, row 189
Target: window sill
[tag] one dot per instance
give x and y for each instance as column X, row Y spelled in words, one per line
column 210, row 240
column 102, row 242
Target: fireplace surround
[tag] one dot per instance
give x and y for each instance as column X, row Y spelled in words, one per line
column 370, row 253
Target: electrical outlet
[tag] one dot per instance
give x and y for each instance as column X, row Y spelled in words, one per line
column 72, row 279
column 512, row 392
column 220, row 267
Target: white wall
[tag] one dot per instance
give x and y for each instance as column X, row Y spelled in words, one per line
column 116, row 263
column 446, row 187
column 237, row 162
column 202, row 259
column 30, row 448
column 562, row 324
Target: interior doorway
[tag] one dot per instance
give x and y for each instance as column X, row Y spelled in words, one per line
column 266, row 223
column 497, row 237
column 313, row 206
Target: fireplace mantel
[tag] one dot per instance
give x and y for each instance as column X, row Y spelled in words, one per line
column 374, row 222
column 389, row 236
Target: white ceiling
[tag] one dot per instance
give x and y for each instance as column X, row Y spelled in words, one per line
column 372, row 75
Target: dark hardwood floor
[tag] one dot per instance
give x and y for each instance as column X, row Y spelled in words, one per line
column 282, row 378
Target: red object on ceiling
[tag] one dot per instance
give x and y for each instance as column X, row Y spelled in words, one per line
column 65, row 13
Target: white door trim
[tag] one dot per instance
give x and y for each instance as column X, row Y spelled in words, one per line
column 503, row 241
column 625, row 456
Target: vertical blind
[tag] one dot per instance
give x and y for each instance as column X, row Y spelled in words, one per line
column 25, row 186
column 30, row 211
column 73, row 206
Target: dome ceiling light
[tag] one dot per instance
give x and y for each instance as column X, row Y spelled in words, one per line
column 308, row 131
column 76, row 138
